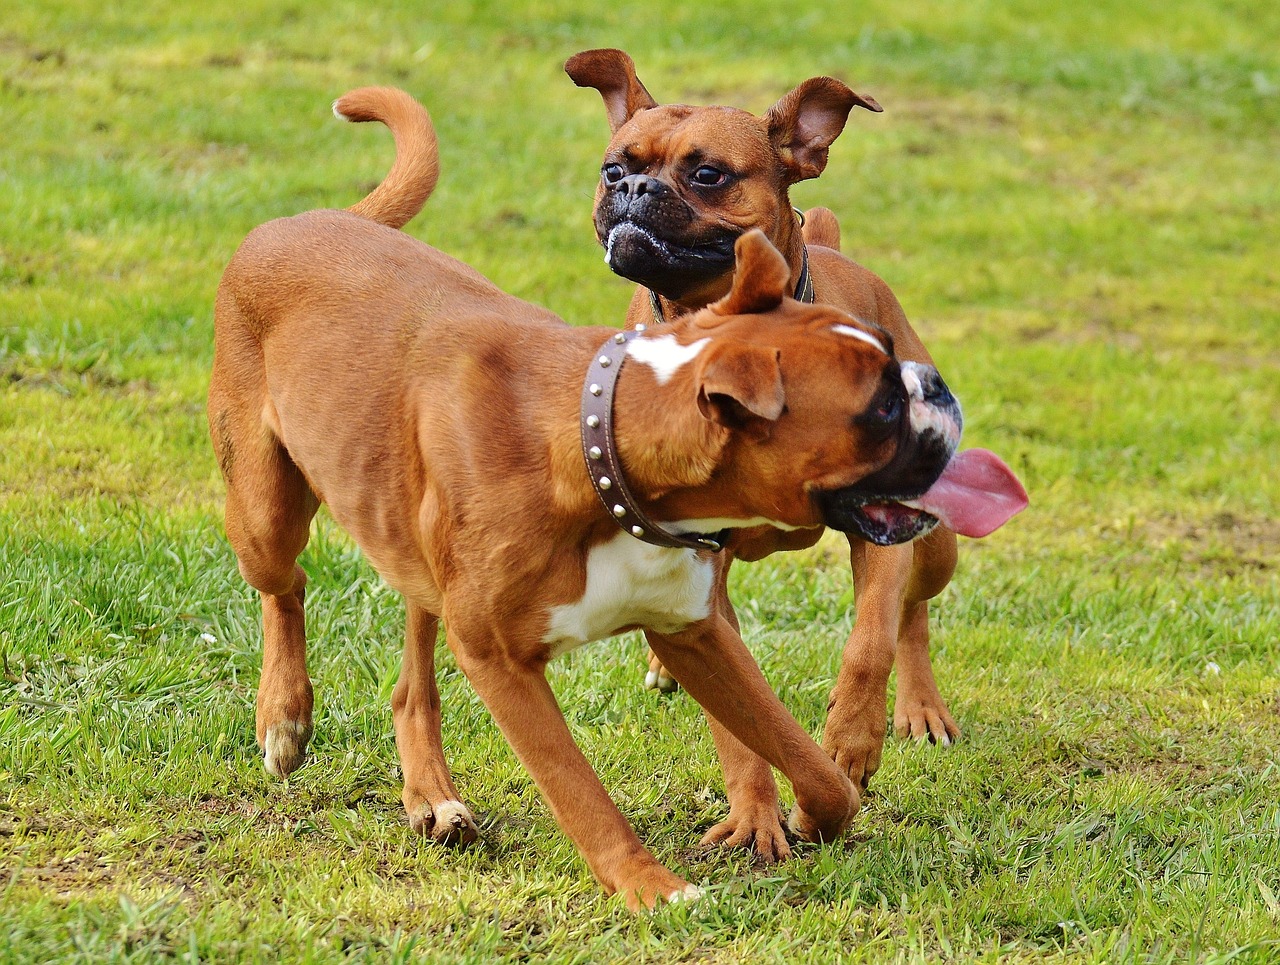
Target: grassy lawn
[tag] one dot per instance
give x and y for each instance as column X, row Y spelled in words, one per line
column 1078, row 206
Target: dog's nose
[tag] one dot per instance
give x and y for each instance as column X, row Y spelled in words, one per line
column 933, row 407
column 935, row 390
column 924, row 382
column 635, row 185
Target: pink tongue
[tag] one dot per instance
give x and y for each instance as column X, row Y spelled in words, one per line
column 975, row 495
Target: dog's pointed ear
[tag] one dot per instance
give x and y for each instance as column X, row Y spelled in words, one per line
column 761, row 277
column 740, row 387
column 613, row 74
column 804, row 123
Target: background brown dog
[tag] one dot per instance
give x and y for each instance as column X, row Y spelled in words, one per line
column 678, row 185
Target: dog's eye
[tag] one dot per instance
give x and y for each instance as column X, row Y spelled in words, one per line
column 889, row 408
column 709, row 177
column 883, row 413
column 612, row 173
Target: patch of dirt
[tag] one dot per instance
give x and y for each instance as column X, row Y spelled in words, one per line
column 12, row 825
column 88, row 866
column 1224, row 544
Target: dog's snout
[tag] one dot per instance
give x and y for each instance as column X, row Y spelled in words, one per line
column 935, row 390
column 933, row 407
column 636, row 185
column 925, row 384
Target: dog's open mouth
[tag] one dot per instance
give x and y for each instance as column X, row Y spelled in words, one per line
column 887, row 524
column 975, row 495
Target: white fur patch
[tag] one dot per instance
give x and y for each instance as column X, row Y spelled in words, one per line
column 664, row 354
column 859, row 334
column 630, row 583
column 285, row 746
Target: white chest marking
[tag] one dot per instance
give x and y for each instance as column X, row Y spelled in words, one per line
column 630, row 583
column 859, row 334
column 664, row 354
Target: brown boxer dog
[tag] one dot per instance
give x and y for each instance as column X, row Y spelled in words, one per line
column 538, row 486
column 679, row 185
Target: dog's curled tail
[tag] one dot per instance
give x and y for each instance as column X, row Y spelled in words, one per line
column 821, row 228
column 412, row 177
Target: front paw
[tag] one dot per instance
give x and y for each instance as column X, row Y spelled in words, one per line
column 284, row 746
column 923, row 715
column 656, row 886
column 825, row 829
column 854, row 737
column 447, row 823
column 756, row 827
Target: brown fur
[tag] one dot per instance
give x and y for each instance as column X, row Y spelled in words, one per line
column 893, row 584
column 437, row 417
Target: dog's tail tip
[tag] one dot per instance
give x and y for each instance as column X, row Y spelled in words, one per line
column 412, row 177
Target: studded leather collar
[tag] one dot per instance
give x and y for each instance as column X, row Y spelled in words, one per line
column 600, row 451
column 803, row 293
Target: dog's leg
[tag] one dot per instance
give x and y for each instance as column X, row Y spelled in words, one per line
column 525, row 709
column 919, row 711
column 854, row 735
column 755, row 820
column 431, row 799
column 268, row 517
column 285, row 700
column 713, row 665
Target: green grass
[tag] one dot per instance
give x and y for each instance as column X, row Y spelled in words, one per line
column 1078, row 206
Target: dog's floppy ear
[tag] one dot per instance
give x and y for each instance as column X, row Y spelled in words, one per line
column 613, row 74
column 803, row 123
column 740, row 387
column 761, row 278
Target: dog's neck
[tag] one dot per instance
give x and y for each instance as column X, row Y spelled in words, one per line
column 664, row 443
column 668, row 451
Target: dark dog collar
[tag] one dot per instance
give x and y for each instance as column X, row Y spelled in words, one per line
column 601, row 453
column 804, row 286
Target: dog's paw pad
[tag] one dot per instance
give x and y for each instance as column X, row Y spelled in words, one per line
column 285, row 747
column 448, row 823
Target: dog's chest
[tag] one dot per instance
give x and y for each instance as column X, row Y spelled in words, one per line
column 630, row 583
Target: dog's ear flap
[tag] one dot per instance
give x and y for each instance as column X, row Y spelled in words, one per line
column 740, row 387
column 804, row 123
column 761, row 277
column 613, row 74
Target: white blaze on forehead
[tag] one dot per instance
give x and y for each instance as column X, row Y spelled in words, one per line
column 859, row 334
column 664, row 354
